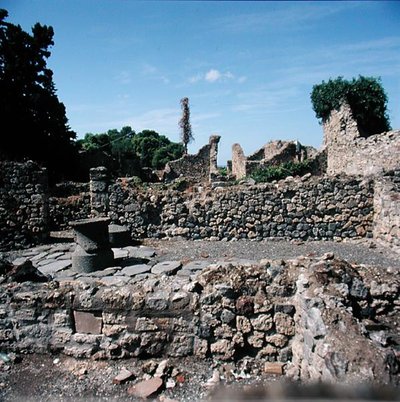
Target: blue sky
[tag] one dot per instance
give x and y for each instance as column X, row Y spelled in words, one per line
column 247, row 67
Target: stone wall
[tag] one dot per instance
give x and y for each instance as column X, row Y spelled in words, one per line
column 315, row 209
column 350, row 153
column 273, row 311
column 387, row 211
column 274, row 153
column 196, row 168
column 23, row 204
column 67, row 208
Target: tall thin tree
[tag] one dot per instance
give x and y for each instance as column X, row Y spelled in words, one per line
column 184, row 123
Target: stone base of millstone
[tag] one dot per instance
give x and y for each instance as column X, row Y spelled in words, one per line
column 119, row 236
column 83, row 261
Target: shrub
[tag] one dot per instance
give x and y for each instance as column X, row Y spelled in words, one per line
column 280, row 172
column 365, row 96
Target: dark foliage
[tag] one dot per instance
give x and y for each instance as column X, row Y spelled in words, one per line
column 280, row 172
column 131, row 150
column 365, row 95
column 33, row 120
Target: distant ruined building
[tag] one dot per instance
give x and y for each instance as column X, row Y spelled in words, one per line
column 272, row 154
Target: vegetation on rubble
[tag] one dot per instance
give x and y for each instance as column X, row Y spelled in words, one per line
column 29, row 104
column 365, row 96
column 271, row 173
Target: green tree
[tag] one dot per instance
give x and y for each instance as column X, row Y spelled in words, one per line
column 145, row 149
column 29, row 105
column 365, row 96
column 155, row 150
column 184, row 124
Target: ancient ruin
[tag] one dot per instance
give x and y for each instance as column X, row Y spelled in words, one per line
column 197, row 168
column 314, row 317
column 273, row 153
column 350, row 153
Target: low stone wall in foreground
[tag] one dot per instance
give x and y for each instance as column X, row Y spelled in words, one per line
column 317, row 319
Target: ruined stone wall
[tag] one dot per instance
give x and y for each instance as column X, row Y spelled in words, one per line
column 387, row 211
column 69, row 207
column 23, row 204
column 328, row 208
column 274, row 153
column 274, row 311
column 350, row 153
column 238, row 162
column 196, row 168
column 168, row 316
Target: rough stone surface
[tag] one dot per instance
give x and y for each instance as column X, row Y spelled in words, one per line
column 350, row 153
column 166, row 267
column 387, row 211
column 273, row 153
column 24, row 206
column 197, row 168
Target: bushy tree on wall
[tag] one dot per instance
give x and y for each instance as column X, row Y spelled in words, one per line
column 33, row 121
column 365, row 96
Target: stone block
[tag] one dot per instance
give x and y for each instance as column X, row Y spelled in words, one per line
column 273, row 368
column 87, row 323
column 166, row 268
column 284, row 324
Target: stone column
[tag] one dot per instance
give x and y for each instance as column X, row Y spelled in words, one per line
column 213, row 142
column 99, row 200
column 93, row 251
column 238, row 162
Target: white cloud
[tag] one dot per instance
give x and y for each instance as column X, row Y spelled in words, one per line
column 212, row 75
column 242, row 79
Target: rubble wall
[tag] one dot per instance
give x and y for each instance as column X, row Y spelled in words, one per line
column 350, row 153
column 23, row 204
column 198, row 167
column 315, row 209
column 68, row 202
column 274, row 311
column 387, row 211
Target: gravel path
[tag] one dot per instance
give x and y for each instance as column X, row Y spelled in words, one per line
column 360, row 252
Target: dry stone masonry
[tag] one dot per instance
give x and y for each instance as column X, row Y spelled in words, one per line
column 197, row 168
column 387, row 210
column 328, row 208
column 350, row 153
column 273, row 153
column 24, row 208
column 298, row 314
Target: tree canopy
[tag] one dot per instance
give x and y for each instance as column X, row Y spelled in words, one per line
column 365, row 96
column 145, row 149
column 33, row 121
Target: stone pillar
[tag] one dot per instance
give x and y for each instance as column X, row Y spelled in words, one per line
column 213, row 142
column 99, row 200
column 93, row 251
column 238, row 162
